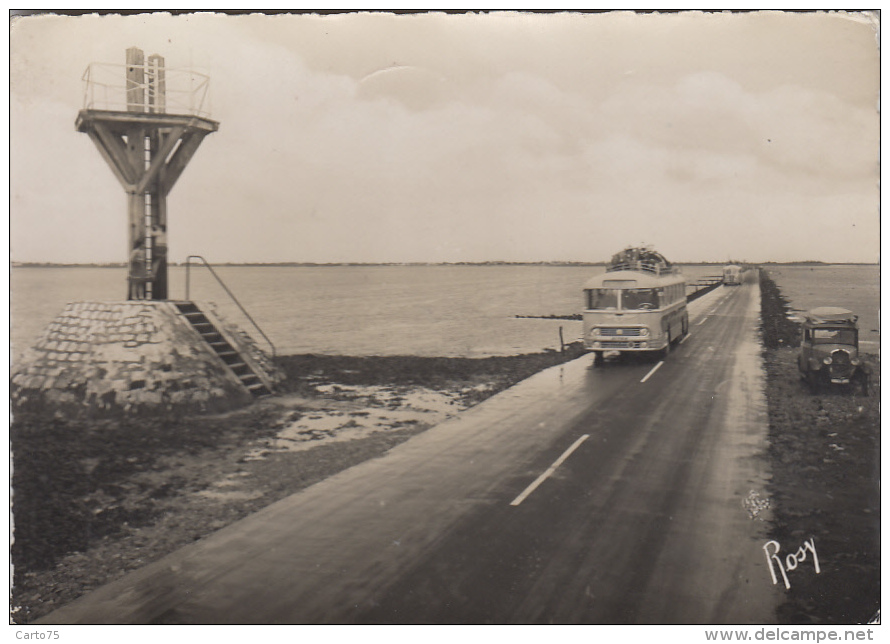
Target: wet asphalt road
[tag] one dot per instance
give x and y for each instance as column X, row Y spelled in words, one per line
column 644, row 520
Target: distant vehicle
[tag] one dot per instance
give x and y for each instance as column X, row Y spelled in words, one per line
column 829, row 350
column 637, row 305
column 732, row 275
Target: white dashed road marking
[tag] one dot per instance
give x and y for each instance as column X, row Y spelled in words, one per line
column 550, row 470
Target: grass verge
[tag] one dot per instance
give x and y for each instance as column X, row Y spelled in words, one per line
column 824, row 455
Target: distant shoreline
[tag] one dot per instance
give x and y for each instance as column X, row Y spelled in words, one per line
column 494, row 263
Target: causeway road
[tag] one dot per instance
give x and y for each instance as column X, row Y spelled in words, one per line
column 628, row 492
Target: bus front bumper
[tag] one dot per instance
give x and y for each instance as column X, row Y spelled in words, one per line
column 625, row 345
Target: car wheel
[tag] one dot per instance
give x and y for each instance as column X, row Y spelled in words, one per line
column 814, row 382
column 863, row 385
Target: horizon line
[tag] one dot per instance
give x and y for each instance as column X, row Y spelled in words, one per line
column 38, row 264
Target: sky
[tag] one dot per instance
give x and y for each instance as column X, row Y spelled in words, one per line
column 370, row 137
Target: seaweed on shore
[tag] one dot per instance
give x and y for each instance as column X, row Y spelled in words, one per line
column 71, row 477
column 431, row 372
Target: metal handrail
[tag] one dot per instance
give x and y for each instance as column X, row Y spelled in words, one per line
column 188, row 266
column 640, row 265
column 105, row 87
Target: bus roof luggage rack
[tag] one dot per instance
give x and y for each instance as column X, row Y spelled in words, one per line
column 640, row 259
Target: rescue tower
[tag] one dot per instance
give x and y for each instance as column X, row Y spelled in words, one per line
column 147, row 142
column 148, row 354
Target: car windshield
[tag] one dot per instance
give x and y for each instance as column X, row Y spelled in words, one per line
column 639, row 298
column 834, row 336
column 602, row 298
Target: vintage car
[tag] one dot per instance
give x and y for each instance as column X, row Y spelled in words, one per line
column 829, row 350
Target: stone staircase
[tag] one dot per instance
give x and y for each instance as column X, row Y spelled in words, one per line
column 227, row 353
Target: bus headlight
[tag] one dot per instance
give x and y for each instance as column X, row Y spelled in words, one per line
column 644, row 332
column 644, row 345
column 826, row 360
column 596, row 345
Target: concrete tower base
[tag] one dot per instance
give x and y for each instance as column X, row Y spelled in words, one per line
column 142, row 357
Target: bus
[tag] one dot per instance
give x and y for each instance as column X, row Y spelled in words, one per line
column 732, row 275
column 637, row 305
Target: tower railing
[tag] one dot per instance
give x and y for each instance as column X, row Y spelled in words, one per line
column 106, row 88
column 188, row 265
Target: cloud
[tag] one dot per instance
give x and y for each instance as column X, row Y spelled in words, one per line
column 489, row 145
column 415, row 87
column 793, row 129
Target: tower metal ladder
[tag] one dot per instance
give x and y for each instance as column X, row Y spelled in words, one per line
column 227, row 353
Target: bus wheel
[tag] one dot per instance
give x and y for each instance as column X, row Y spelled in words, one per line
column 667, row 348
column 597, row 357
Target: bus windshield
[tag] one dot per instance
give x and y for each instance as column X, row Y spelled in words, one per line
column 602, row 298
column 639, row 298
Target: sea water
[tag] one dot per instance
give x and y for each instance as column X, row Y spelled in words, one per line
column 436, row 310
